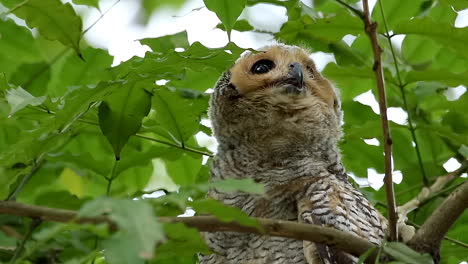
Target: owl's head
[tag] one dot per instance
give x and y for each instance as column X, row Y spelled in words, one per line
column 275, row 97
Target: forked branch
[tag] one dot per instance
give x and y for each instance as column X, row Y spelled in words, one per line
column 431, row 233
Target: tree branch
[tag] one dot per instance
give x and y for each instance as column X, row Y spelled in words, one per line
column 371, row 30
column 426, row 192
column 431, row 233
column 325, row 235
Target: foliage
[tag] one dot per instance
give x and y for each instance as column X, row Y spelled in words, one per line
column 73, row 128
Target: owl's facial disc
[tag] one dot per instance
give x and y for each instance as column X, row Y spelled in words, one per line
column 294, row 79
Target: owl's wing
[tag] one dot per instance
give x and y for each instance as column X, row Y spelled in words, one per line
column 334, row 203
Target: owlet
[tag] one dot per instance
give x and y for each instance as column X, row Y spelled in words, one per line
column 277, row 121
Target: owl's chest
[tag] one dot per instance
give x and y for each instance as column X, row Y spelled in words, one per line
column 235, row 248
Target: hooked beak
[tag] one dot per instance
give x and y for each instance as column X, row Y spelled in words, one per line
column 295, row 79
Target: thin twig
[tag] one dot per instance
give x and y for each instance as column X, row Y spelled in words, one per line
column 371, row 30
column 102, row 15
column 269, row 227
column 403, row 95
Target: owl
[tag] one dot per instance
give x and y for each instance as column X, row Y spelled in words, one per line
column 277, row 121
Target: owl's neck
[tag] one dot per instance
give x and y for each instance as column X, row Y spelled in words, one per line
column 297, row 159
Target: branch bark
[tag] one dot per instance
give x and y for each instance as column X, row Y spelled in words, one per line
column 407, row 231
column 325, row 235
column 431, row 233
column 371, row 30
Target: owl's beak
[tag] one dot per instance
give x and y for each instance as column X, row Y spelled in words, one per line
column 295, row 79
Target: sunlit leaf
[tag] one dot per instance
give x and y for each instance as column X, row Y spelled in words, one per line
column 226, row 10
column 53, row 19
column 18, row 98
column 167, row 43
column 93, row 3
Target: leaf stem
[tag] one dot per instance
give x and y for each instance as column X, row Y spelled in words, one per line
column 371, row 30
column 352, row 9
column 403, row 95
column 34, row 224
column 185, row 147
column 111, row 177
column 37, row 164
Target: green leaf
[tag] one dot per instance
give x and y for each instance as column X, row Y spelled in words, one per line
column 19, row 98
column 366, row 254
column 320, row 33
column 177, row 118
column 184, row 170
column 447, row 35
column 186, row 240
column 233, row 185
column 352, row 81
column 167, row 43
column 17, row 46
column 53, row 19
column 121, row 112
column 76, row 72
column 172, row 64
column 405, row 254
column 32, row 77
column 369, row 157
column 443, row 76
column 223, row 212
column 138, row 232
column 396, row 11
column 241, row 26
column 463, row 150
column 149, row 6
column 78, row 101
column 3, row 82
column 93, row 3
column 226, row 10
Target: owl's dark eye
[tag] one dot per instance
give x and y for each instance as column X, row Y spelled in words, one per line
column 262, row 66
